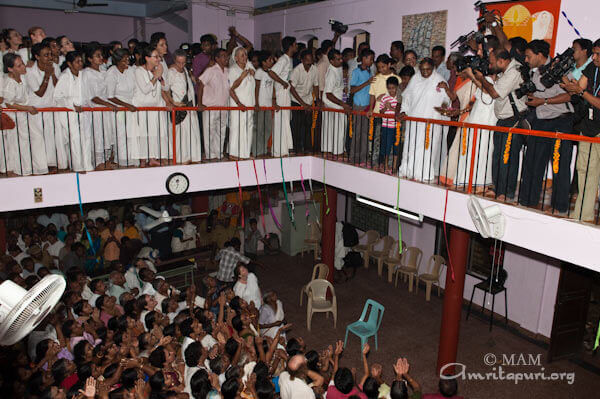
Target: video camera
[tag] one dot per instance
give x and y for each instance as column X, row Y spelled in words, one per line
column 560, row 65
column 338, row 27
column 475, row 62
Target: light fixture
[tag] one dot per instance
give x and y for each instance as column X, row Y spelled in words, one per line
column 404, row 214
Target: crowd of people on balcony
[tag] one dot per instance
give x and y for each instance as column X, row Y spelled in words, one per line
column 347, row 86
column 121, row 330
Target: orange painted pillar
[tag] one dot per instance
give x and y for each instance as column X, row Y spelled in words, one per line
column 453, row 298
column 328, row 231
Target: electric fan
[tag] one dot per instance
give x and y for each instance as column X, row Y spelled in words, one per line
column 489, row 221
column 21, row 310
column 163, row 217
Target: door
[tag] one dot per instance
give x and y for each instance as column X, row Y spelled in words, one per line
column 570, row 311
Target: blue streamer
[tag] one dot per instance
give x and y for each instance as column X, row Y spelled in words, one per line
column 89, row 237
column 570, row 23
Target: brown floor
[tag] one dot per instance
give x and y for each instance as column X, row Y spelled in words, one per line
column 411, row 328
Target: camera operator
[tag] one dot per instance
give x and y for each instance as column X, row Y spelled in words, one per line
column 510, row 111
column 588, row 156
column 553, row 113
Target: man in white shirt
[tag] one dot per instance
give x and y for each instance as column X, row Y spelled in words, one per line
column 60, row 220
column 305, row 84
column 53, row 246
column 438, row 55
column 333, row 129
column 291, row 381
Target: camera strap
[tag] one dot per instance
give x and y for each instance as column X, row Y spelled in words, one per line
column 596, row 89
column 514, row 107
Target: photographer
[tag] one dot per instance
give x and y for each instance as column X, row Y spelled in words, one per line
column 510, row 111
column 588, row 156
column 553, row 113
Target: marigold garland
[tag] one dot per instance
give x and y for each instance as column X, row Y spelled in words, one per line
column 315, row 115
column 507, row 148
column 464, row 141
column 350, row 125
column 371, row 129
column 427, row 136
column 397, row 143
column 556, row 156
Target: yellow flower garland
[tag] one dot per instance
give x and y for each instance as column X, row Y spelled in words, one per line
column 464, row 141
column 427, row 136
column 397, row 143
column 350, row 125
column 556, row 156
column 315, row 115
column 371, row 129
column 507, row 148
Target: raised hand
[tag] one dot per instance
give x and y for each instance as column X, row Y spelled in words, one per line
column 89, row 390
column 366, row 349
column 376, row 370
column 401, row 367
column 339, row 348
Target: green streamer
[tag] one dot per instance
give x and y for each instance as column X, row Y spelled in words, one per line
column 399, row 225
column 597, row 338
column 287, row 201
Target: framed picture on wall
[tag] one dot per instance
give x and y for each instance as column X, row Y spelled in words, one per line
column 271, row 42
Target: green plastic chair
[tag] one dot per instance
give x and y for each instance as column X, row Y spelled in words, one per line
column 365, row 329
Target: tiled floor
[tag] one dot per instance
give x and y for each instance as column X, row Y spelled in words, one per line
column 411, row 328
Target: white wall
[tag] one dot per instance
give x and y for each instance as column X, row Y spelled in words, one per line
column 387, row 17
column 210, row 20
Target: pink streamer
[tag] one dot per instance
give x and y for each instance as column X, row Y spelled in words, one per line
column 269, row 201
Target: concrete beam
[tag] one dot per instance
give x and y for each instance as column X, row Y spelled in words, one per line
column 128, row 9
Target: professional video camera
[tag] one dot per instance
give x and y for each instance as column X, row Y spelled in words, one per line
column 475, row 62
column 560, row 65
column 527, row 86
column 338, row 27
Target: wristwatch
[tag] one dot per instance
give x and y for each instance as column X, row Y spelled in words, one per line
column 545, row 101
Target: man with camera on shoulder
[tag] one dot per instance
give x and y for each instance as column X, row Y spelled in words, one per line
column 588, row 156
column 553, row 113
column 510, row 111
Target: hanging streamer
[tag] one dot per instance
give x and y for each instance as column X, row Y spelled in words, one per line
column 287, row 201
column 312, row 196
column 597, row 343
column 325, row 189
column 269, row 201
column 292, row 200
column 446, row 237
column 89, row 237
column 571, row 23
column 304, row 191
column 262, row 215
column 399, row 225
column 240, row 192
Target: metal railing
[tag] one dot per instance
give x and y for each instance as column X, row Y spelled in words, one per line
column 473, row 158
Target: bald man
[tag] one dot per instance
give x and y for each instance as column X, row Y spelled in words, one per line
column 292, row 381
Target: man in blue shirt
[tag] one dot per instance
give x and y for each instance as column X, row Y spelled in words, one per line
column 582, row 52
column 360, row 81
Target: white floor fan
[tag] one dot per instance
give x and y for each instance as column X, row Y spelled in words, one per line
column 490, row 223
column 21, row 310
column 163, row 217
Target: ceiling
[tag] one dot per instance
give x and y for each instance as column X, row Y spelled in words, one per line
column 130, row 8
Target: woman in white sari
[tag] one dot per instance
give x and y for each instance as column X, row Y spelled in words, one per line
column 481, row 113
column 153, row 127
column 188, row 144
column 16, row 96
column 120, row 84
column 247, row 287
column 271, row 316
column 424, row 148
column 242, row 92
column 71, row 146
column 100, row 125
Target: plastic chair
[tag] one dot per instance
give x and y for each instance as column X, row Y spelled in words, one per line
column 312, row 242
column 379, row 256
column 366, row 248
column 433, row 276
column 411, row 261
column 365, row 329
column 321, row 272
column 395, row 260
column 318, row 302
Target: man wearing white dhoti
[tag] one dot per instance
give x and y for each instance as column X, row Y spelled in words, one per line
column 187, row 132
column 333, row 131
column 41, row 79
column 213, row 91
column 282, row 141
column 120, row 86
column 100, row 125
column 68, row 94
column 424, row 146
column 242, row 91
